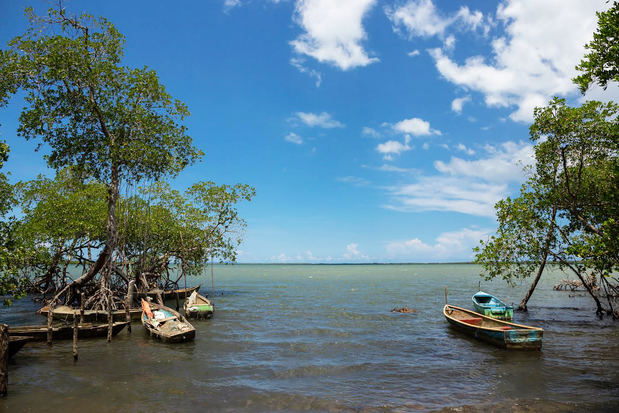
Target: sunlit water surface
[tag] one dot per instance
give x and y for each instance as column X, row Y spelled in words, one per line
column 322, row 338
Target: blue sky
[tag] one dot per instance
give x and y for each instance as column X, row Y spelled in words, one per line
column 373, row 131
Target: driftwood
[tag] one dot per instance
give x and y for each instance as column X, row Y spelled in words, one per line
column 574, row 285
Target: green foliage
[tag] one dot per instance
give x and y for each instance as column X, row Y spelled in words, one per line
column 12, row 283
column 92, row 112
column 601, row 64
column 569, row 209
column 105, row 125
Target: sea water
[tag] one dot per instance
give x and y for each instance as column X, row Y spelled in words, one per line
column 322, row 338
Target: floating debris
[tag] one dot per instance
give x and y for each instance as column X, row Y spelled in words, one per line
column 403, row 310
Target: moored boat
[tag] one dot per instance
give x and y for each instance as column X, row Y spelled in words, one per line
column 170, row 294
column 500, row 333
column 166, row 324
column 491, row 306
column 198, row 306
column 64, row 312
column 65, row 331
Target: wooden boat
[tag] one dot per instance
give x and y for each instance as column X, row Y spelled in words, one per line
column 500, row 333
column 198, row 306
column 170, row 294
column 64, row 312
column 166, row 324
column 491, row 306
column 16, row 343
column 65, row 331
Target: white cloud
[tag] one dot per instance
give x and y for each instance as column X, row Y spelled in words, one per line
column 463, row 148
column 354, row 180
column 416, row 127
column 458, row 103
column 533, row 60
column 333, row 31
column 390, row 148
column 321, row 120
column 353, row 253
column 456, row 245
column 421, row 18
column 414, row 53
column 391, row 168
column 467, row 186
column 504, row 164
column 293, row 138
column 299, row 64
column 449, row 43
column 371, row 132
column 230, row 4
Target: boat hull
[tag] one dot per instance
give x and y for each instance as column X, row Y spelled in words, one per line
column 186, row 332
column 170, row 294
column 198, row 306
column 499, row 333
column 498, row 313
column 491, row 306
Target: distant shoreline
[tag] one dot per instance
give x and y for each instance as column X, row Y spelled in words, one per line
column 349, row 263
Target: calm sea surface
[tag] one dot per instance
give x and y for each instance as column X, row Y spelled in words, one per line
column 322, row 338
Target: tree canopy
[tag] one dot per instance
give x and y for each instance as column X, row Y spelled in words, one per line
column 601, row 64
column 107, row 127
column 568, row 210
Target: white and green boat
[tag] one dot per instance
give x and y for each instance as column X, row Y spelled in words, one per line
column 491, row 306
column 198, row 306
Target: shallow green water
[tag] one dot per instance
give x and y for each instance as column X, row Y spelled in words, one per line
column 322, row 338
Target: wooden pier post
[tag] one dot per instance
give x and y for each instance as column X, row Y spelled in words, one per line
column 177, row 301
column 50, row 318
column 75, row 332
column 4, row 359
column 129, row 303
column 110, row 319
column 159, row 298
column 82, row 308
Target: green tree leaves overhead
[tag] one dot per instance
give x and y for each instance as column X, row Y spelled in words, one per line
column 601, row 64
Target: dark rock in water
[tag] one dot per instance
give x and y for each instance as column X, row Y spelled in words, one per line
column 403, row 310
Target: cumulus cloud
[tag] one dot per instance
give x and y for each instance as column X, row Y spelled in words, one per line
column 467, row 186
column 416, row 127
column 353, row 253
column 293, row 138
column 414, row 53
column 458, row 103
column 420, row 18
column 320, row 120
column 333, row 31
column 391, row 148
column 532, row 60
column 454, row 245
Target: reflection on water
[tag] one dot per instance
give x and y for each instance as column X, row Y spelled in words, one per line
column 322, row 338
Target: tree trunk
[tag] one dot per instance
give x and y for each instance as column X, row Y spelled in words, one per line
column 525, row 300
